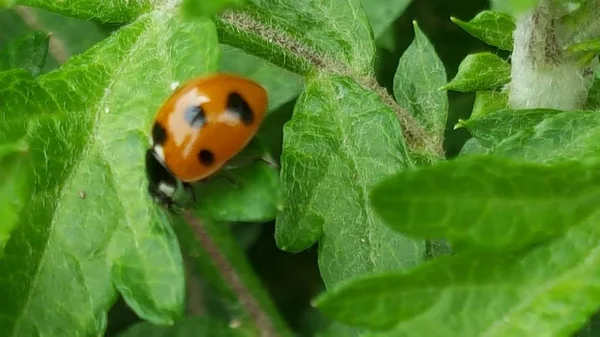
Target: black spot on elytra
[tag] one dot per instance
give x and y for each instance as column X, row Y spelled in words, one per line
column 238, row 105
column 206, row 157
column 194, row 116
column 159, row 134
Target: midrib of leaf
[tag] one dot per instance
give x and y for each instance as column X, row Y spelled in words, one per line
column 361, row 188
column 99, row 142
column 92, row 141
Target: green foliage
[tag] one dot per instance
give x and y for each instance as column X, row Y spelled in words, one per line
column 202, row 8
column 500, row 241
column 326, row 178
column 481, row 71
column 419, row 71
column 493, row 28
column 488, row 203
column 28, row 52
column 192, row 326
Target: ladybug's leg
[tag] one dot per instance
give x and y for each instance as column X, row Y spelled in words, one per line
column 190, row 190
column 161, row 183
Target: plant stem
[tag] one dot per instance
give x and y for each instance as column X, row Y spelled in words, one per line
column 231, row 277
column 543, row 74
column 255, row 35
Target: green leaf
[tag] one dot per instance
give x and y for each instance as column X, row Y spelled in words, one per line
column 593, row 99
column 29, row 53
column 585, row 46
column 211, row 248
column 187, row 327
column 497, row 126
column 281, row 85
column 473, row 147
column 330, row 34
column 203, row 8
column 340, row 142
column 513, row 7
column 570, row 135
column 488, row 203
column 99, row 10
column 91, row 226
column 549, row 290
column 488, row 101
column 254, row 195
column 493, row 28
column 6, row 3
column 481, row 71
column 382, row 13
column 15, row 187
column 419, row 74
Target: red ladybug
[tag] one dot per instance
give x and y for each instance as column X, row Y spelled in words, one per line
column 200, row 127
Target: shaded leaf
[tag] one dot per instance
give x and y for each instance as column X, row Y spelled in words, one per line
column 91, row 226
column 493, row 28
column 334, row 33
column 487, row 102
column 340, row 142
column 549, row 290
column 203, row 8
column 570, row 135
column 473, row 147
column 187, row 327
column 585, row 46
column 481, row 71
column 513, row 7
column 29, row 53
column 201, row 245
column 253, row 196
column 419, row 74
column 495, row 127
column 281, row 85
column 488, row 203
column 382, row 13
column 15, row 187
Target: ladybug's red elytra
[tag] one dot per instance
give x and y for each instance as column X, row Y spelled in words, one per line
column 201, row 126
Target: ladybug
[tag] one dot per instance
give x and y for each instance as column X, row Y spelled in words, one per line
column 201, row 126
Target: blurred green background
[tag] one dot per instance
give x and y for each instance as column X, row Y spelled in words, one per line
column 293, row 279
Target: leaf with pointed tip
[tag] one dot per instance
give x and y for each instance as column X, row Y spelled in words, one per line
column 340, row 142
column 549, row 290
column 493, row 28
column 495, row 127
column 488, row 203
column 419, row 75
column 28, row 52
column 90, row 225
column 481, row 71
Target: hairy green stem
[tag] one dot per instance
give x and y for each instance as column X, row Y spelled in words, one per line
column 250, row 304
column 543, row 74
column 249, row 31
